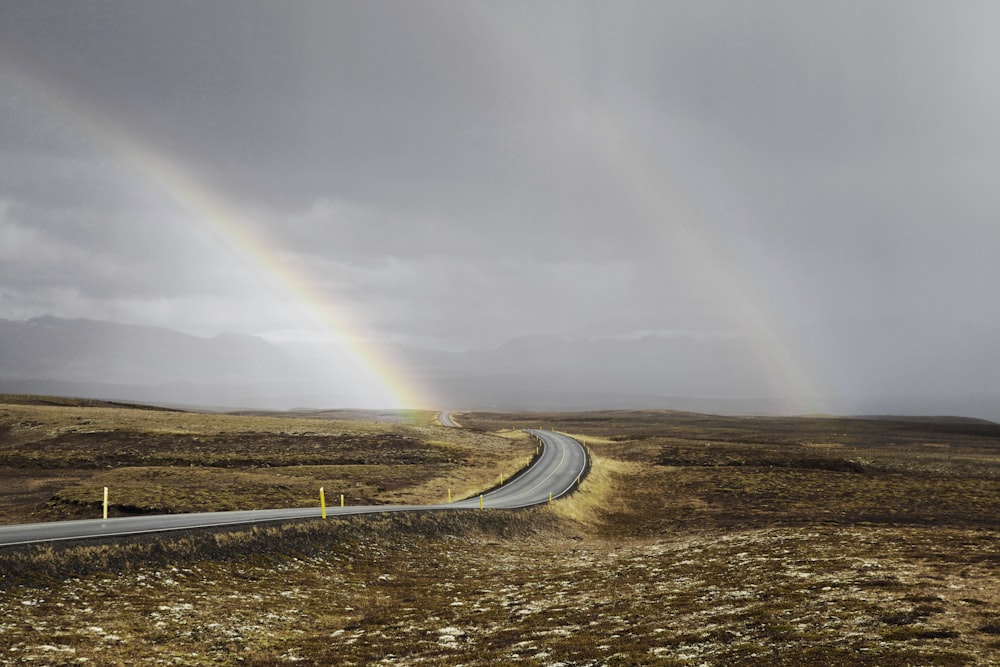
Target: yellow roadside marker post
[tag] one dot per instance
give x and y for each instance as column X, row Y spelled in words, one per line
column 550, row 497
column 342, row 500
column 322, row 503
column 449, row 495
column 105, row 502
column 501, row 479
column 480, row 501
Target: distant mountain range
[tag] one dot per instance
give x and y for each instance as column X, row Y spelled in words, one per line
column 550, row 373
column 96, row 359
column 105, row 360
column 53, row 348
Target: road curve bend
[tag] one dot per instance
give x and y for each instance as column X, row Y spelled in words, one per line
column 561, row 463
column 444, row 418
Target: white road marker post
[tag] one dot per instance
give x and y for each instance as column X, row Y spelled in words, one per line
column 322, row 503
column 105, row 502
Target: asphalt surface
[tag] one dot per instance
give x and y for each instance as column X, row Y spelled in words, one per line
column 562, row 462
column 444, row 418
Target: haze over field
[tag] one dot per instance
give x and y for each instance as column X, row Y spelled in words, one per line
column 789, row 204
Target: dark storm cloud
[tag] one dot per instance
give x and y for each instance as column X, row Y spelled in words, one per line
column 410, row 109
column 333, row 93
column 839, row 158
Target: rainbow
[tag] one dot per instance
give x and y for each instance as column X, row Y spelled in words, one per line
column 375, row 371
column 668, row 216
column 219, row 215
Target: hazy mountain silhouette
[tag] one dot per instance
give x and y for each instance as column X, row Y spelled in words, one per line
column 716, row 374
column 95, row 359
column 549, row 372
column 53, row 348
column 99, row 359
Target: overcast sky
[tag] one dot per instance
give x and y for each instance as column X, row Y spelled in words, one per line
column 820, row 178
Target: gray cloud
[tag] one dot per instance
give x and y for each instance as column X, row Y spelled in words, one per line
column 461, row 173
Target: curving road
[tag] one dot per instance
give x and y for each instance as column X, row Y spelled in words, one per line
column 562, row 461
column 444, row 418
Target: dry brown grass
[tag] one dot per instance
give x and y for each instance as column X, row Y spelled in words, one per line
column 599, row 494
column 695, row 542
column 509, row 588
column 56, row 459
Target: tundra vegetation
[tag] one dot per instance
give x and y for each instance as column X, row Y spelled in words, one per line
column 695, row 540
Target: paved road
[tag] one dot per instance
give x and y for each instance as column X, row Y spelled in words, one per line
column 444, row 417
column 562, row 461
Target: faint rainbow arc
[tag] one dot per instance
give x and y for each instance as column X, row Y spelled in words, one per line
column 226, row 220
column 655, row 198
column 667, row 214
column 215, row 213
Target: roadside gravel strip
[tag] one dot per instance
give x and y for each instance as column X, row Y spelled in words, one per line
column 562, row 462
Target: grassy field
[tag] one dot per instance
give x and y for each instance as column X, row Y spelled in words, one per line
column 695, row 540
column 56, row 456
